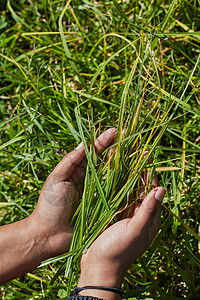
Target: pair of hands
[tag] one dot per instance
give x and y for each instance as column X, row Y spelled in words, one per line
column 108, row 258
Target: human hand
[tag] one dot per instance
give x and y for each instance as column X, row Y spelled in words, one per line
column 60, row 195
column 47, row 232
column 108, row 258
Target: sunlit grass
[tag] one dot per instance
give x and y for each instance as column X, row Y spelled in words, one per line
column 71, row 69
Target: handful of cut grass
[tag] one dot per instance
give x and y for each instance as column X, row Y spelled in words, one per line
column 111, row 179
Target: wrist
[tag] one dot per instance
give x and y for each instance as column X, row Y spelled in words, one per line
column 39, row 238
column 100, row 294
column 98, row 275
column 51, row 240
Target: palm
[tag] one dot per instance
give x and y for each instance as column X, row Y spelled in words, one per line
column 122, row 243
column 62, row 192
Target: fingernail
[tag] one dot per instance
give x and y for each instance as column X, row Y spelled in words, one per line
column 160, row 193
column 114, row 131
column 79, row 146
column 145, row 153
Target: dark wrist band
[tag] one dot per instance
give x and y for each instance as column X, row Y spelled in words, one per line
column 83, row 298
column 90, row 287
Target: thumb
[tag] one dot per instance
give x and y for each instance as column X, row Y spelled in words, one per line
column 148, row 212
column 70, row 161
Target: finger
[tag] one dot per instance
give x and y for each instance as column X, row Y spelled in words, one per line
column 155, row 181
column 130, row 211
column 138, row 195
column 68, row 164
column 133, row 209
column 110, row 150
column 145, row 178
column 72, row 160
column 105, row 140
column 148, row 210
column 156, row 224
column 79, row 173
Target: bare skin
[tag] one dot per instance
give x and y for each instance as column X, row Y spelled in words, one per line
column 108, row 258
column 47, row 232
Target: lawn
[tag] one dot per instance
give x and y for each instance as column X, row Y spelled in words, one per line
column 68, row 71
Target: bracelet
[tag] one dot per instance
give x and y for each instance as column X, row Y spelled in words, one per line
column 83, row 298
column 90, row 287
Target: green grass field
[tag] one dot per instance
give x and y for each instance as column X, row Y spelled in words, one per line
column 71, row 69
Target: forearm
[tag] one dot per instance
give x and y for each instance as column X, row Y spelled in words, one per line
column 22, row 249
